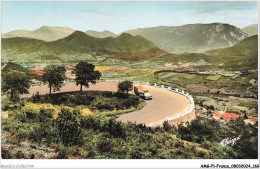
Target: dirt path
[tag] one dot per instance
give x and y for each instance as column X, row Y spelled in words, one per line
column 164, row 104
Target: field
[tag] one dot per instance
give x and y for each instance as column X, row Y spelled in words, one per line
column 130, row 74
column 239, row 84
column 103, row 68
column 220, row 103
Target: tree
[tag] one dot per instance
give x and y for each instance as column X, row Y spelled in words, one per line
column 13, row 66
column 85, row 74
column 54, row 75
column 15, row 82
column 125, row 86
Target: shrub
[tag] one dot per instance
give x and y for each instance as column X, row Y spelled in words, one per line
column 15, row 97
column 101, row 103
column 131, row 101
column 136, row 153
column 7, row 104
column 91, row 122
column 116, row 129
column 53, row 109
column 44, row 115
column 125, row 86
column 36, row 97
column 22, row 130
column 166, row 126
column 20, row 115
column 64, row 151
column 69, row 126
column 104, row 145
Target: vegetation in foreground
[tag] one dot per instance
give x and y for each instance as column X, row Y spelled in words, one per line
column 73, row 135
column 95, row 136
column 210, row 133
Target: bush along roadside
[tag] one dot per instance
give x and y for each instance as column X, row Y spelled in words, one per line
column 75, row 136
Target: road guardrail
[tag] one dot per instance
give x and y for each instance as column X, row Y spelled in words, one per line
column 187, row 110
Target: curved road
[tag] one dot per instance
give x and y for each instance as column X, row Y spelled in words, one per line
column 164, row 104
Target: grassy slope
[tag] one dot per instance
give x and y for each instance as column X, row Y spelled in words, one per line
column 240, row 56
column 20, row 44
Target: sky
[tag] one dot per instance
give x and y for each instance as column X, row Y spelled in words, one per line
column 121, row 16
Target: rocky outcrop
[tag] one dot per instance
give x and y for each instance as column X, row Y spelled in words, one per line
column 24, row 150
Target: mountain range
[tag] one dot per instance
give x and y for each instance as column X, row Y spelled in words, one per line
column 173, row 39
column 124, row 46
column 80, row 46
column 193, row 37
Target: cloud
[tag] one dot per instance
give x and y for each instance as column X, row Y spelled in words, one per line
column 214, row 7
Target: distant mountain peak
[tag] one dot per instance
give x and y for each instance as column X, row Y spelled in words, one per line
column 53, row 27
column 102, row 34
column 46, row 33
column 125, row 35
column 76, row 37
column 77, row 32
